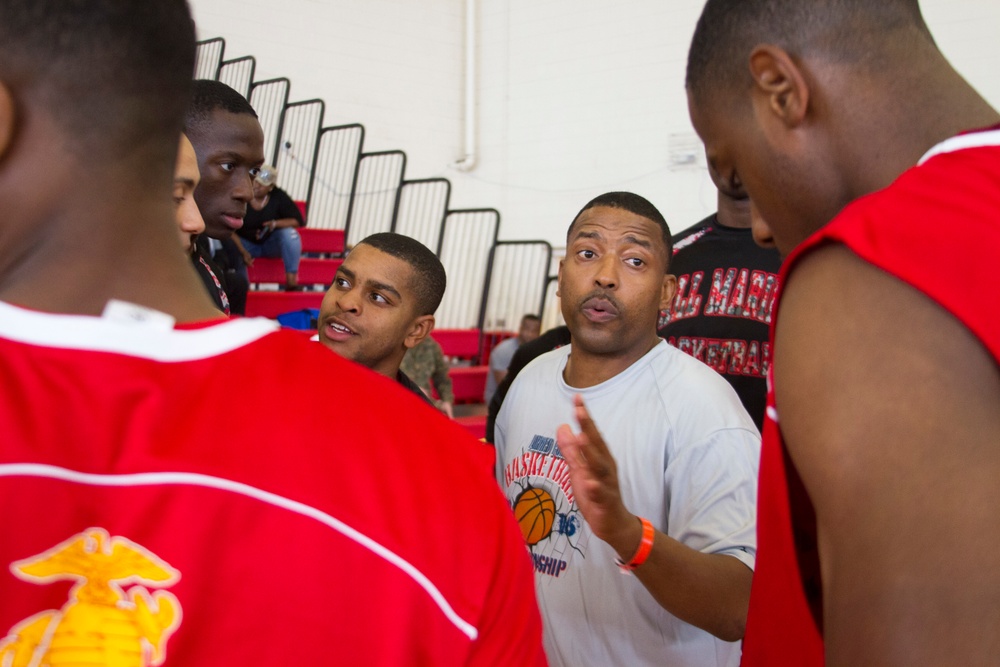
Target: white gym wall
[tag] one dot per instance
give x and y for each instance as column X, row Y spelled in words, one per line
column 574, row 97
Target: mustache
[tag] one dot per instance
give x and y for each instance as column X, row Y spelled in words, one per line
column 600, row 294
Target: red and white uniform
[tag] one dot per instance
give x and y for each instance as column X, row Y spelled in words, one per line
column 352, row 526
column 936, row 228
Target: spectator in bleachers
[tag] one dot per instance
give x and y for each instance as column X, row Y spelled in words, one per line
column 501, row 355
column 552, row 339
column 229, row 142
column 424, row 363
column 186, row 177
column 328, row 531
column 382, row 303
column 661, row 480
column 270, row 228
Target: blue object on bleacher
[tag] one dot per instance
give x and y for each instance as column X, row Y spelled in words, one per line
column 305, row 318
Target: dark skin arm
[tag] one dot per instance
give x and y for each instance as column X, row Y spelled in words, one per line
column 710, row 591
column 891, row 413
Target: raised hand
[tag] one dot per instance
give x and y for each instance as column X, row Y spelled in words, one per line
column 594, row 476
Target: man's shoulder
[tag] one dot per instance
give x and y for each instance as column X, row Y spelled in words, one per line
column 686, row 386
column 547, row 363
column 545, row 370
column 693, row 234
column 507, row 344
column 503, row 351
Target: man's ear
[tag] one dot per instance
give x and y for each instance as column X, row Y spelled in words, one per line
column 780, row 84
column 559, row 277
column 420, row 328
column 668, row 291
column 8, row 118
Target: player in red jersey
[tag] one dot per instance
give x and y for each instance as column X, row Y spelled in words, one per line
column 328, row 533
column 871, row 164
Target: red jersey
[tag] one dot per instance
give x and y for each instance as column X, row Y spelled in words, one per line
column 945, row 214
column 339, row 522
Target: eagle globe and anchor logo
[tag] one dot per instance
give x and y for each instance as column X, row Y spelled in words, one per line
column 102, row 623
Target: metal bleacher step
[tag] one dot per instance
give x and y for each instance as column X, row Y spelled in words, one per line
column 311, row 271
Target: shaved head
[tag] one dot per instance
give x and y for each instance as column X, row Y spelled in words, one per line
column 844, row 30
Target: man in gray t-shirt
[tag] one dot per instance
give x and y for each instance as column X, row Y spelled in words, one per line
column 661, row 475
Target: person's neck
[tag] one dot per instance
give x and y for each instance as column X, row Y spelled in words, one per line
column 587, row 369
column 946, row 106
column 389, row 367
column 79, row 257
column 731, row 220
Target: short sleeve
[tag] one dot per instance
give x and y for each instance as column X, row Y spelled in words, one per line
column 712, row 494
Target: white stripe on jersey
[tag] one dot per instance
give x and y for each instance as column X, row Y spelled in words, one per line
column 208, row 481
column 963, row 141
column 134, row 339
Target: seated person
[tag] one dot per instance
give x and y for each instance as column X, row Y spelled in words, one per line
column 270, row 227
column 500, row 356
column 425, row 365
column 382, row 303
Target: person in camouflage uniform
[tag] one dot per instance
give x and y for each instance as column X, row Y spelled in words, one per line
column 425, row 364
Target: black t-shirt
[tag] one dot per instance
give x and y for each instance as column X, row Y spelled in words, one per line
column 279, row 206
column 722, row 312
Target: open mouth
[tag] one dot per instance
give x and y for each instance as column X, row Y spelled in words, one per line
column 336, row 331
column 599, row 310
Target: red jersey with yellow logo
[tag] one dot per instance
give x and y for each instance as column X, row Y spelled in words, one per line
column 145, row 524
column 937, row 228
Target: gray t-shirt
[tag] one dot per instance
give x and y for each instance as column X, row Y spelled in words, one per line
column 500, row 357
column 687, row 455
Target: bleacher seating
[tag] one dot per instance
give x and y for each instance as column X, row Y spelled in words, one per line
column 323, row 242
column 346, row 192
column 463, row 345
column 322, row 251
column 458, row 343
column 312, row 271
column 271, row 303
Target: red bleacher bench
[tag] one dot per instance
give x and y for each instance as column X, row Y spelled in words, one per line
column 272, row 304
column 322, row 241
column 311, row 271
column 461, row 343
column 468, row 383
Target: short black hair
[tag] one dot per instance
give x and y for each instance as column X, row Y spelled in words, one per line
column 530, row 317
column 845, row 30
column 430, row 280
column 115, row 75
column 209, row 95
column 633, row 203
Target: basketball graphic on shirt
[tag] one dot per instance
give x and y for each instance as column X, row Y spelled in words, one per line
column 535, row 512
